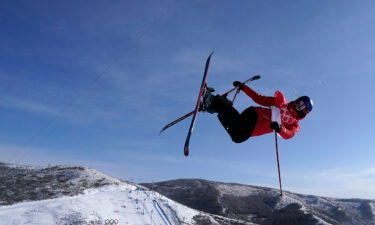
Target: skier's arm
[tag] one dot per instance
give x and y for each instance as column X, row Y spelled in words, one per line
column 289, row 133
column 260, row 99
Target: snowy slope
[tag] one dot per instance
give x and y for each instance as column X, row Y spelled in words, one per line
column 126, row 203
column 74, row 195
column 71, row 195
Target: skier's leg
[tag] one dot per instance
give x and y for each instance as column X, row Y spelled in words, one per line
column 238, row 126
column 227, row 114
column 229, row 118
column 249, row 119
column 214, row 103
column 230, row 123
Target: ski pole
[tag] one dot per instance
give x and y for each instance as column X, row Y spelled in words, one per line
column 238, row 90
column 278, row 164
column 235, row 95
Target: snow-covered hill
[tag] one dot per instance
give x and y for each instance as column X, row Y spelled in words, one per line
column 74, row 195
column 264, row 206
column 71, row 195
column 127, row 204
column 25, row 183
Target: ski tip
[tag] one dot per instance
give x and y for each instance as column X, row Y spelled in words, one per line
column 162, row 131
column 186, row 151
column 212, row 53
column 256, row 77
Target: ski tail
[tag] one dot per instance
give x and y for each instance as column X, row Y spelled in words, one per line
column 176, row 121
column 201, row 91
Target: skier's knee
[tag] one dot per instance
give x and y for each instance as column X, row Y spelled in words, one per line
column 238, row 140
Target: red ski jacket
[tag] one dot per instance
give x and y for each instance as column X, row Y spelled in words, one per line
column 289, row 123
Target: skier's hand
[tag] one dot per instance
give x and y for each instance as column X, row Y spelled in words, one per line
column 275, row 126
column 239, row 84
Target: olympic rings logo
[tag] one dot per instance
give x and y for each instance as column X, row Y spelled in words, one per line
column 285, row 115
column 111, row 222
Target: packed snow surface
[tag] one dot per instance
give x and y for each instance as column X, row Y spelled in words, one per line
column 127, row 204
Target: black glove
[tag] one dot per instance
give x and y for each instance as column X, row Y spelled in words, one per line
column 275, row 126
column 239, row 84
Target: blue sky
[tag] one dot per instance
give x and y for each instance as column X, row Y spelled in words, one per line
column 92, row 83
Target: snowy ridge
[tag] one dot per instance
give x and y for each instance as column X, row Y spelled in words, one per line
column 73, row 195
column 264, row 206
column 288, row 199
column 26, row 183
column 236, row 189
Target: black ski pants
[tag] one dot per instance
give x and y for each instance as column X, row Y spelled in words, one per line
column 239, row 126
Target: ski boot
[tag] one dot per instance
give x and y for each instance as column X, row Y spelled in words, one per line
column 207, row 100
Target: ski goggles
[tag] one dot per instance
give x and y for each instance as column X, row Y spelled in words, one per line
column 301, row 109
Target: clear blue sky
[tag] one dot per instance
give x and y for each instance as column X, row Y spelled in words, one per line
column 93, row 82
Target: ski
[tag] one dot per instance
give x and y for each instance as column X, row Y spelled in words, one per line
column 192, row 112
column 176, row 121
column 194, row 119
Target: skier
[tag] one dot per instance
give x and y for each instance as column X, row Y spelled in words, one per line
column 255, row 121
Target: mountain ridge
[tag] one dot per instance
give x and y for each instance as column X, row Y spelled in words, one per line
column 263, row 205
column 31, row 193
